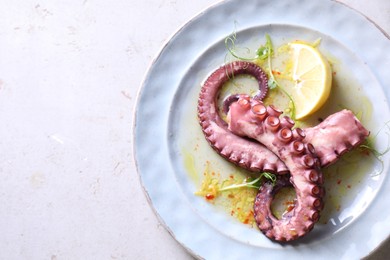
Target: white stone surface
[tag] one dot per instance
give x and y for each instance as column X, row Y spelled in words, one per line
column 69, row 75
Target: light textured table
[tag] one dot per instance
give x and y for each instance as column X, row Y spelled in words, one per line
column 69, row 75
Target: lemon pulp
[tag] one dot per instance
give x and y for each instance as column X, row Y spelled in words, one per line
column 312, row 77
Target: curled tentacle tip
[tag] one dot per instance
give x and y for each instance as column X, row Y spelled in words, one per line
column 260, row 95
column 228, row 101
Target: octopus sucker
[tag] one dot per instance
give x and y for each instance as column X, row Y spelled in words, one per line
column 312, row 176
column 287, row 122
column 273, row 111
column 226, row 151
column 285, row 135
column 299, row 134
column 269, row 168
column 316, row 202
column 297, row 147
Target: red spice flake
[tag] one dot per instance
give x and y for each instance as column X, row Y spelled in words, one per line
column 338, row 181
column 334, row 73
column 276, row 72
column 209, row 196
column 249, row 217
column 348, row 186
column 231, row 196
column 231, row 176
column 290, row 207
column 232, row 212
column 213, row 173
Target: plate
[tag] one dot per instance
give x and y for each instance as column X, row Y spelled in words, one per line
column 165, row 127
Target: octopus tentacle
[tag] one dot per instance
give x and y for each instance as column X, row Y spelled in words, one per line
column 243, row 152
column 336, row 135
column 228, row 101
column 301, row 160
column 329, row 137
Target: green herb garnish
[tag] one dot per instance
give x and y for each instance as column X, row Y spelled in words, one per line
column 370, row 146
column 252, row 183
column 265, row 52
column 230, row 44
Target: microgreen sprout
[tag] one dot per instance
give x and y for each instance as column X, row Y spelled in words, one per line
column 316, row 43
column 265, row 52
column 230, row 44
column 252, row 183
column 369, row 145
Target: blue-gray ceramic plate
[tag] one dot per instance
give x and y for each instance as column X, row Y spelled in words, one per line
column 167, row 137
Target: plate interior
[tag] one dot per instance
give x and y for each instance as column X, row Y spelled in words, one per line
column 190, row 154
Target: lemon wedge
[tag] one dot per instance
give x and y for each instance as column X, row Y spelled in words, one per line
column 312, row 78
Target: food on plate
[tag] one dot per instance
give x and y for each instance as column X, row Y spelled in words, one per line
column 227, row 144
column 259, row 138
column 312, row 78
column 327, row 136
column 251, row 118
